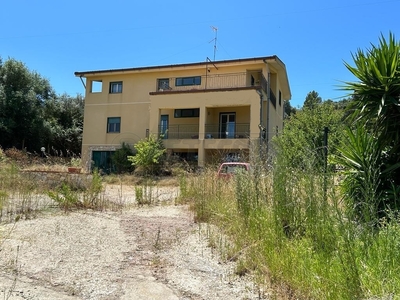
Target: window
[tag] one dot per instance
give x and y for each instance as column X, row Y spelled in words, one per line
column 187, row 113
column 114, row 124
column 182, row 81
column 280, row 98
column 97, row 86
column 115, row 87
column 163, row 84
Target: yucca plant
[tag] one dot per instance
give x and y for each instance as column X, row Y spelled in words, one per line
column 360, row 155
column 376, row 107
column 376, row 94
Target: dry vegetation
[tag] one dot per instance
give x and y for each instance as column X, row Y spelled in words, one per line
column 123, row 237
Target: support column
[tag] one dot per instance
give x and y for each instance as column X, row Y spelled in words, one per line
column 200, row 150
column 154, row 119
column 255, row 120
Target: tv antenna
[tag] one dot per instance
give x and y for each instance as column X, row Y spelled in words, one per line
column 215, row 29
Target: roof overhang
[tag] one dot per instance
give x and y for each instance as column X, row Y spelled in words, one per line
column 283, row 77
column 176, row 66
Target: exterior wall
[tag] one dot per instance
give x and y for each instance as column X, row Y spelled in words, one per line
column 140, row 106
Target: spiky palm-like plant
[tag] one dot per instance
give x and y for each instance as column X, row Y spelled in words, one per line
column 377, row 93
column 376, row 109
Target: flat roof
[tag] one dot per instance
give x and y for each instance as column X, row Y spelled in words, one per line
column 273, row 58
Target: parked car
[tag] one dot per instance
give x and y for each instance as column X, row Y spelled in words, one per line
column 228, row 169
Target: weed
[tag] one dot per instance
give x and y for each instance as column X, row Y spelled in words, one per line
column 92, row 197
column 146, row 194
column 291, row 226
column 157, row 244
column 65, row 197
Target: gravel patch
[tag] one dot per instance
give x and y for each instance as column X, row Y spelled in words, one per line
column 154, row 252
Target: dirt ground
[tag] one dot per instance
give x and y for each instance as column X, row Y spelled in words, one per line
column 149, row 252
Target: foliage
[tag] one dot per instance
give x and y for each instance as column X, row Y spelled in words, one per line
column 289, row 109
column 33, row 116
column 373, row 149
column 68, row 196
column 2, row 155
column 305, row 243
column 376, row 96
column 76, row 162
column 65, row 197
column 144, row 193
column 120, row 159
column 149, row 153
column 312, row 100
column 63, row 124
column 92, row 196
column 303, row 135
column 22, row 95
column 360, row 154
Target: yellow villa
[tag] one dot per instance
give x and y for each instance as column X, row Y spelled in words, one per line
column 204, row 110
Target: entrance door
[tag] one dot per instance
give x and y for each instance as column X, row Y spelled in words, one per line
column 102, row 161
column 164, row 126
column 227, row 124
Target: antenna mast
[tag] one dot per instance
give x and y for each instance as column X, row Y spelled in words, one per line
column 215, row 29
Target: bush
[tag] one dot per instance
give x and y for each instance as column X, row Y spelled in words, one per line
column 120, row 159
column 2, row 155
column 149, row 155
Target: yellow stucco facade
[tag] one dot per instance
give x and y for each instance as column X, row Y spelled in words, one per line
column 199, row 108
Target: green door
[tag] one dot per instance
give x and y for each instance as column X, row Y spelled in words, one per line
column 102, row 161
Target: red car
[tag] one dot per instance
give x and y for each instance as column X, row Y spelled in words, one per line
column 227, row 170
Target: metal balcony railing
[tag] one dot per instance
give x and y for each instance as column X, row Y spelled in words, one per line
column 182, row 131
column 227, row 131
column 214, row 81
column 212, row 131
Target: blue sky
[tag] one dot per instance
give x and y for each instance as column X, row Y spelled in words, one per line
column 312, row 38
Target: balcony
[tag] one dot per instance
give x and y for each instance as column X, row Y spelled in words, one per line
column 227, row 131
column 212, row 131
column 180, row 132
column 212, row 82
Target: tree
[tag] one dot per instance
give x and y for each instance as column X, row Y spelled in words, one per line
column 64, row 123
column 22, row 96
column 32, row 116
column 289, row 109
column 312, row 100
column 375, row 114
column 302, row 140
column 149, row 152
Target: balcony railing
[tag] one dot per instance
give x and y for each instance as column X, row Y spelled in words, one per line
column 227, row 131
column 217, row 81
column 182, row 131
column 212, row 131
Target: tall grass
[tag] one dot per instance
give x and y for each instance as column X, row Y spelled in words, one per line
column 292, row 231
column 23, row 196
column 18, row 196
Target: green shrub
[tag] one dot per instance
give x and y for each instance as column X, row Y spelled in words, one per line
column 149, row 154
column 92, row 197
column 120, row 159
column 65, row 197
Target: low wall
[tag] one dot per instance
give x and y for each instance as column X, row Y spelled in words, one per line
column 54, row 179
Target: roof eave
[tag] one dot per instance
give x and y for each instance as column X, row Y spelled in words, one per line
column 151, row 68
